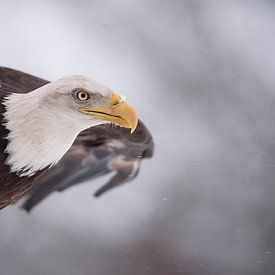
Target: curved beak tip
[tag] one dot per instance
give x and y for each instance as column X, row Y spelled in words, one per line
column 133, row 128
column 131, row 116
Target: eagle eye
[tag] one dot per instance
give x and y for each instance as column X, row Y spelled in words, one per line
column 83, row 96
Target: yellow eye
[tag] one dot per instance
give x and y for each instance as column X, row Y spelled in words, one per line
column 83, row 96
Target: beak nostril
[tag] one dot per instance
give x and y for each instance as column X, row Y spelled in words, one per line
column 116, row 99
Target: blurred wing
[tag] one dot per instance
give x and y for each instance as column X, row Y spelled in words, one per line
column 96, row 151
column 126, row 170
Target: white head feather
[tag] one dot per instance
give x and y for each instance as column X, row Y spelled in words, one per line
column 44, row 123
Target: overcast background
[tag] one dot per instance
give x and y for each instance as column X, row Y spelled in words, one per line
column 201, row 75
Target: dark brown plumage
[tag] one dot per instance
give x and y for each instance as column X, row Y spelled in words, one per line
column 96, row 151
column 12, row 186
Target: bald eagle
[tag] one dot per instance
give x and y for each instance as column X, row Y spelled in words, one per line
column 54, row 135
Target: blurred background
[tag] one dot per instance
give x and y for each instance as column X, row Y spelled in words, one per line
column 201, row 75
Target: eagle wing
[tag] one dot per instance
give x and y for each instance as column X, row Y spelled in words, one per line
column 97, row 151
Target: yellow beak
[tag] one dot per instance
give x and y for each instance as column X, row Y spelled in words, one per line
column 120, row 113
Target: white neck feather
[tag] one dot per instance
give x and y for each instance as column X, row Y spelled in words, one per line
column 39, row 136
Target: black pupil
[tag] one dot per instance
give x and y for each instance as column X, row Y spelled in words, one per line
column 83, row 96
